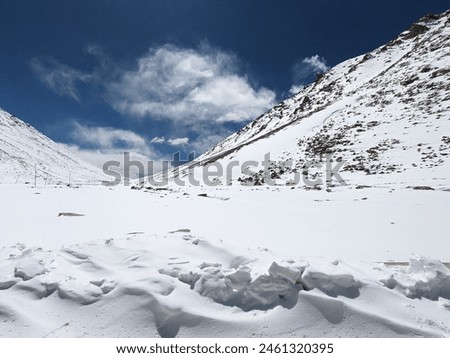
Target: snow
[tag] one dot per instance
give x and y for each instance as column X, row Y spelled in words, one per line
column 387, row 112
column 391, row 225
column 422, row 278
column 25, row 152
column 146, row 264
column 152, row 285
column 366, row 259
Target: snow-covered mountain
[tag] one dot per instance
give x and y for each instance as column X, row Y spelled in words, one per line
column 23, row 148
column 386, row 114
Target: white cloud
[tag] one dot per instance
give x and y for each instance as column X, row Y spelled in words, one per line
column 158, row 140
column 62, row 79
column 98, row 145
column 197, row 90
column 187, row 85
column 98, row 157
column 170, row 141
column 295, row 89
column 107, row 138
column 304, row 69
column 168, row 82
column 207, row 138
column 317, row 63
column 178, row 141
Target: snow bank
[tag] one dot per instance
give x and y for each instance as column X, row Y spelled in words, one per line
column 422, row 278
column 238, row 288
column 183, row 285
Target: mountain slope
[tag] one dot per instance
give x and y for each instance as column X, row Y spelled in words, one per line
column 23, row 148
column 385, row 114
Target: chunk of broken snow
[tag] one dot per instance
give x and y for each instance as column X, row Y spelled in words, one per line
column 238, row 280
column 422, row 278
column 29, row 268
column 288, row 273
column 339, row 284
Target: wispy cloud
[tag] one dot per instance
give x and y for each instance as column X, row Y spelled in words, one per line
column 304, row 69
column 60, row 78
column 188, row 85
column 178, row 141
column 198, row 91
column 107, row 138
column 317, row 63
column 181, row 141
column 98, row 145
column 295, row 89
column 169, row 83
column 158, row 140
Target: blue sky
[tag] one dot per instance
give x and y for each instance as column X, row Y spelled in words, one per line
column 159, row 76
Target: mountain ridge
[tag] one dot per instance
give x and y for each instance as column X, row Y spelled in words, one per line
column 25, row 153
column 398, row 90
